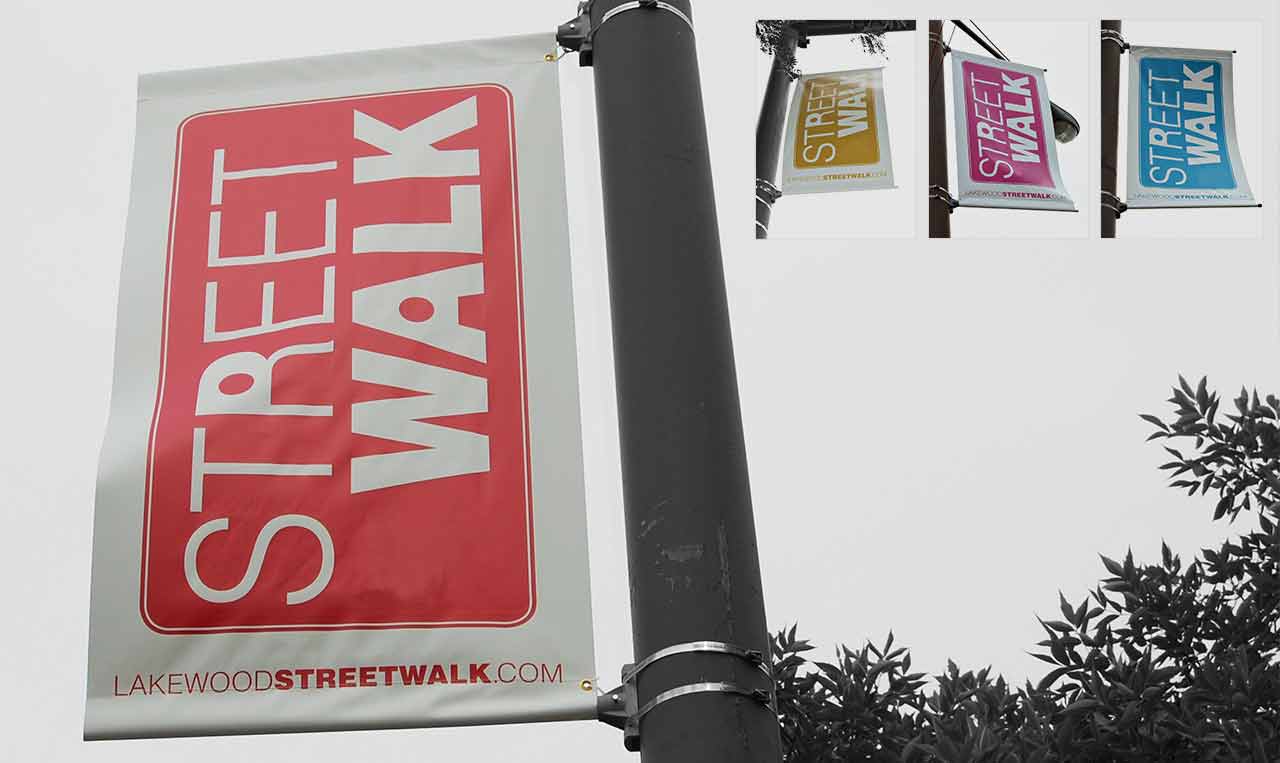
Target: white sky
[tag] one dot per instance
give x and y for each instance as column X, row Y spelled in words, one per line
column 941, row 434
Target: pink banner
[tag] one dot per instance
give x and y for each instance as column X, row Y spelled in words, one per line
column 1006, row 125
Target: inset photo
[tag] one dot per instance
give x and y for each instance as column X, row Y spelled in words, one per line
column 1008, row 102
column 1182, row 124
column 835, row 144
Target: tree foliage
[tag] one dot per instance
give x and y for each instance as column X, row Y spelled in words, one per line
column 1163, row 661
column 869, row 35
column 770, row 33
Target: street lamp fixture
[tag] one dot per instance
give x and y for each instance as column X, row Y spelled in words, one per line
column 1065, row 126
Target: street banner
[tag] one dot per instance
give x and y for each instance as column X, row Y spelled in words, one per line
column 1183, row 150
column 838, row 134
column 1005, row 151
column 341, row 485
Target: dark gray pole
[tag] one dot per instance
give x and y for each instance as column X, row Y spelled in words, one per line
column 773, row 115
column 691, row 546
column 939, row 208
column 1111, row 50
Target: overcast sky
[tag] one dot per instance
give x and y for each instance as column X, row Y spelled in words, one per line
column 941, row 434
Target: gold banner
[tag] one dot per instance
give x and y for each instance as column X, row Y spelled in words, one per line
column 836, row 125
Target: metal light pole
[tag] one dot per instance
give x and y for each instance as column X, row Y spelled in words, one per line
column 939, row 206
column 691, row 545
column 1112, row 47
column 773, row 115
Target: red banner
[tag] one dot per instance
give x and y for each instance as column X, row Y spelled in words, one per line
column 344, row 422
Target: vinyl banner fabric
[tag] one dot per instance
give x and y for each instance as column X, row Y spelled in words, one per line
column 838, row 134
column 341, row 486
column 1005, row 151
column 1182, row 130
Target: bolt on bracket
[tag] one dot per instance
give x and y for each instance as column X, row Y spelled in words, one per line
column 620, row 708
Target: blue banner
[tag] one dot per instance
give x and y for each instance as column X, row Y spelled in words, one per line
column 1183, row 146
column 1182, row 133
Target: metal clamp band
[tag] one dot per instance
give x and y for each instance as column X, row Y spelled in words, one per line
column 1113, row 202
column 937, row 38
column 938, row 192
column 767, row 192
column 719, row 647
column 618, row 707
column 1109, row 35
column 718, row 687
column 656, row 4
column 578, row 34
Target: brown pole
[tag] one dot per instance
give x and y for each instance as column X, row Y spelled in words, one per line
column 939, row 209
column 1111, row 50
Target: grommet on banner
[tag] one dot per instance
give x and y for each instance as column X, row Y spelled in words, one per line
column 1110, row 35
column 619, row 709
column 938, row 192
column 1113, row 202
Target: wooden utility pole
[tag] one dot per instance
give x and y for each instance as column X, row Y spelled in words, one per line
column 1112, row 47
column 939, row 204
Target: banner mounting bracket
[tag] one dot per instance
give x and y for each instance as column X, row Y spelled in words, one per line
column 620, row 706
column 936, row 39
column 767, row 192
column 1110, row 35
column 1113, row 202
column 574, row 35
column 578, row 34
column 938, row 192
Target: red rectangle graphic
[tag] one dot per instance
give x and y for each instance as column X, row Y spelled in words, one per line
column 340, row 436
